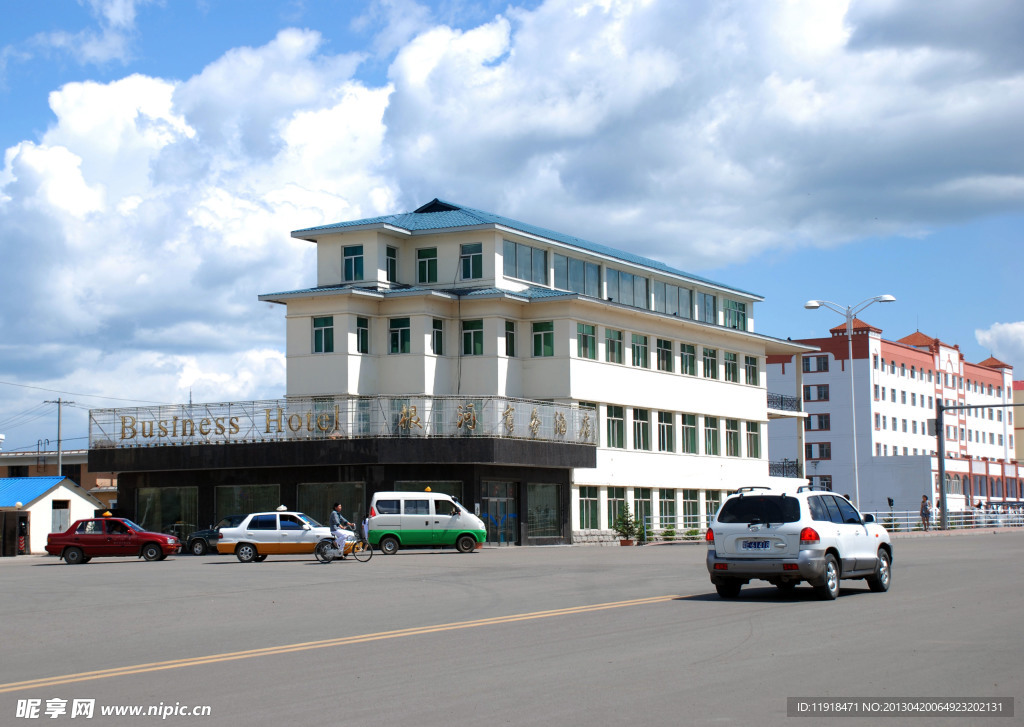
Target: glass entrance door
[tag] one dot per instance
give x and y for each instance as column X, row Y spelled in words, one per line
column 500, row 512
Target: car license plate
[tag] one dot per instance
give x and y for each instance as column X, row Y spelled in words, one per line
column 755, row 545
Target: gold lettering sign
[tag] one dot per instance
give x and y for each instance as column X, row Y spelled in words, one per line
column 534, row 422
column 509, row 419
column 466, row 416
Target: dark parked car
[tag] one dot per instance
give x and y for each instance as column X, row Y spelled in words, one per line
column 109, row 536
column 202, row 542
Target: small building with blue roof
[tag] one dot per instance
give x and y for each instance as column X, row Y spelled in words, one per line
column 34, row 507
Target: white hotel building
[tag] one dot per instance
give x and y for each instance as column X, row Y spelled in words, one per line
column 897, row 385
column 422, row 322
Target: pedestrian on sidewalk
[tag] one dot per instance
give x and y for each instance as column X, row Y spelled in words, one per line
column 926, row 512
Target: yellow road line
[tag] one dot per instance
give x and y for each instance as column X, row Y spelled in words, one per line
column 326, row 643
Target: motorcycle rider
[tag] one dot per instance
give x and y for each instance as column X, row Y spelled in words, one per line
column 341, row 528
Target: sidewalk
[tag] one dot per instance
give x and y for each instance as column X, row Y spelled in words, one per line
column 949, row 533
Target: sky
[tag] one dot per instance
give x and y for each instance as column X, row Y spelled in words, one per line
column 157, row 154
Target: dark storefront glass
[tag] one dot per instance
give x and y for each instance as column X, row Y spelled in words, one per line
column 173, row 510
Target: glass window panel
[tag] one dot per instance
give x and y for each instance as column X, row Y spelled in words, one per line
column 593, row 283
column 577, row 277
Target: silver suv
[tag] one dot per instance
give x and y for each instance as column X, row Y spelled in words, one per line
column 786, row 538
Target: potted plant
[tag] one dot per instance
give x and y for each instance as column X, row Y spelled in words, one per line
column 625, row 526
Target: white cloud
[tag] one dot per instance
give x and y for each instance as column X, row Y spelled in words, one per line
column 153, row 211
column 1005, row 341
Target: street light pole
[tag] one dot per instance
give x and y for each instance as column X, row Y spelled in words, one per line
column 850, row 312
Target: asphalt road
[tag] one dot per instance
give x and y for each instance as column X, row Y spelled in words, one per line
column 506, row 636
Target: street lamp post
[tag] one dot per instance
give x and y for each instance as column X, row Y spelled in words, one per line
column 850, row 313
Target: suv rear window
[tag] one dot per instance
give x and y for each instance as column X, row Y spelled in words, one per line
column 760, row 508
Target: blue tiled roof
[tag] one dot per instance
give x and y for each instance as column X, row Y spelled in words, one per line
column 25, row 489
column 441, row 215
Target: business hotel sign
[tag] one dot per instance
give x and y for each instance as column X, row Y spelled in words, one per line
column 340, row 417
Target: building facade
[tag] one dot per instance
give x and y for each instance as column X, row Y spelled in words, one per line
column 606, row 380
column 897, row 385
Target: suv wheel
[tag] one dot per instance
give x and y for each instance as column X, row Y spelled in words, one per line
column 879, row 582
column 198, row 547
column 728, row 589
column 829, row 590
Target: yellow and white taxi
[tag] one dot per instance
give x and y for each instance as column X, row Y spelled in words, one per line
column 260, row 534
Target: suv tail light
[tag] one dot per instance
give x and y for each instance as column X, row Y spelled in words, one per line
column 709, row 536
column 373, row 511
column 809, row 536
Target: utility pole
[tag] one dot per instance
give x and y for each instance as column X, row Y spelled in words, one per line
column 60, row 408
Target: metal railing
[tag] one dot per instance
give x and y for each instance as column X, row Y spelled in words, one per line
column 784, row 468
column 302, row 418
column 906, row 521
column 781, row 402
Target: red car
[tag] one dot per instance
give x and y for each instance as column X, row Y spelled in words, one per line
column 103, row 536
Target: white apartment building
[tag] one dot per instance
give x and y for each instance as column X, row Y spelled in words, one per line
column 449, row 301
column 897, row 385
column 546, row 381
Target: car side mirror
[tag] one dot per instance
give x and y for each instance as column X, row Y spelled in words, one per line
column 869, row 518
column 305, row 526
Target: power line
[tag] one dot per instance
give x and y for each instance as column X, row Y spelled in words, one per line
column 91, row 396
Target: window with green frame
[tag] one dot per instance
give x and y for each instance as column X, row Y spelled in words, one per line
column 642, row 429
column 437, row 337
column 710, row 363
column 586, row 341
column 688, row 359
column 323, row 334
column 667, row 508
column 362, row 335
column 471, row 258
column 732, row 367
column 510, row 339
column 711, row 443
column 391, row 260
column 735, row 314
column 753, row 440
column 665, row 355
column 750, row 369
column 642, row 506
column 732, row 438
column 666, row 432
column 544, row 339
column 426, row 265
column 612, row 346
column 688, row 440
column 616, row 427
column 640, row 351
column 616, row 504
column 353, row 255
column 400, row 335
column 691, row 509
column 588, row 508
column 473, row 338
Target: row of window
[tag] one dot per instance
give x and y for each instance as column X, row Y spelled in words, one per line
column 530, row 264
column 665, row 356
column 950, row 381
column 690, row 428
column 960, row 434
column 679, row 509
column 543, row 345
column 882, row 450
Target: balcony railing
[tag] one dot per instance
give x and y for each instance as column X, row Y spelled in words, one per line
column 784, row 468
column 342, row 417
column 781, row 402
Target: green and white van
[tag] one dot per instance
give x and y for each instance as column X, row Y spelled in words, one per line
column 403, row 519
